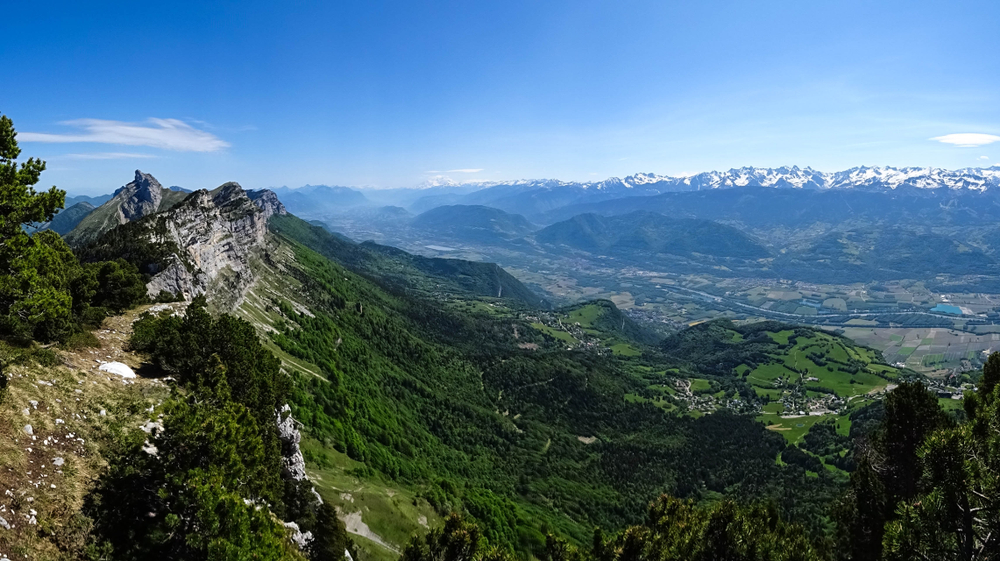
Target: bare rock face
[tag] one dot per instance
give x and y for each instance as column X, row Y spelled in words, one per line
column 299, row 538
column 267, row 202
column 141, row 197
column 294, row 464
column 216, row 234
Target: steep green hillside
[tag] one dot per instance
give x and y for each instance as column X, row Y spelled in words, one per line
column 868, row 254
column 473, row 222
column 651, row 232
column 604, row 317
column 595, row 324
column 464, row 408
column 404, row 271
column 68, row 218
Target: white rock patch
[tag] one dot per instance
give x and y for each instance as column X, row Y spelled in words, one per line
column 117, row 368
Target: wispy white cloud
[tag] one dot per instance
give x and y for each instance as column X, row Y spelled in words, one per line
column 967, row 139
column 108, row 156
column 168, row 134
column 984, row 157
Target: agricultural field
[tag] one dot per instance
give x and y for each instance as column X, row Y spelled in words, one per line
column 822, row 363
column 930, row 351
column 815, row 379
column 793, row 428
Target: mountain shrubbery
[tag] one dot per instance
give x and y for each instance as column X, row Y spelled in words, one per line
column 674, row 530
column 44, row 291
column 208, row 484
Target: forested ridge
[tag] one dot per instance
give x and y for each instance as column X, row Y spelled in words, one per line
column 526, row 451
column 417, row 393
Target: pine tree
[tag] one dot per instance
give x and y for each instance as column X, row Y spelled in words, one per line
column 889, row 469
column 957, row 516
column 32, row 305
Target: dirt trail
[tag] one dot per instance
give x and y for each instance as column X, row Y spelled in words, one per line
column 113, row 335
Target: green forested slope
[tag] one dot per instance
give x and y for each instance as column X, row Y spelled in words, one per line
column 473, row 223
column 524, row 440
column 400, row 270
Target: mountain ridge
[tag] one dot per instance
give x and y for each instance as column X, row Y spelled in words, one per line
column 535, row 198
column 473, row 221
column 141, row 197
column 650, row 231
column 782, row 176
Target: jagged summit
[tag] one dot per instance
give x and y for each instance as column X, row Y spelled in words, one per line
column 211, row 237
column 142, row 181
column 141, row 197
column 861, row 177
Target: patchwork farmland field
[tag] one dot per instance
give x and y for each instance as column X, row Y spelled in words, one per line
column 934, row 352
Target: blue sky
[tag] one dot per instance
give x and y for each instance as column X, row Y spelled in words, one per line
column 390, row 94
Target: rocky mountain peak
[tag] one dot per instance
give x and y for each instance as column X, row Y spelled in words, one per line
column 229, row 193
column 267, row 201
column 219, row 233
column 139, row 198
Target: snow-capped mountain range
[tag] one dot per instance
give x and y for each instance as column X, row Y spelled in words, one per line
column 783, row 177
column 536, row 197
column 807, row 178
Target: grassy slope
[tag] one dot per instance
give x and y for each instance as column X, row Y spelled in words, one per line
column 67, row 423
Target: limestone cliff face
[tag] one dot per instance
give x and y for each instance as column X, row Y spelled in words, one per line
column 294, row 463
column 217, row 234
column 139, row 198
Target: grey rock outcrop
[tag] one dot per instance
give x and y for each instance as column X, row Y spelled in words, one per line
column 140, row 198
column 299, row 538
column 267, row 201
column 216, row 233
column 294, row 464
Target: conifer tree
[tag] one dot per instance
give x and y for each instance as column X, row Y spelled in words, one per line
column 31, row 304
column 957, row 516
